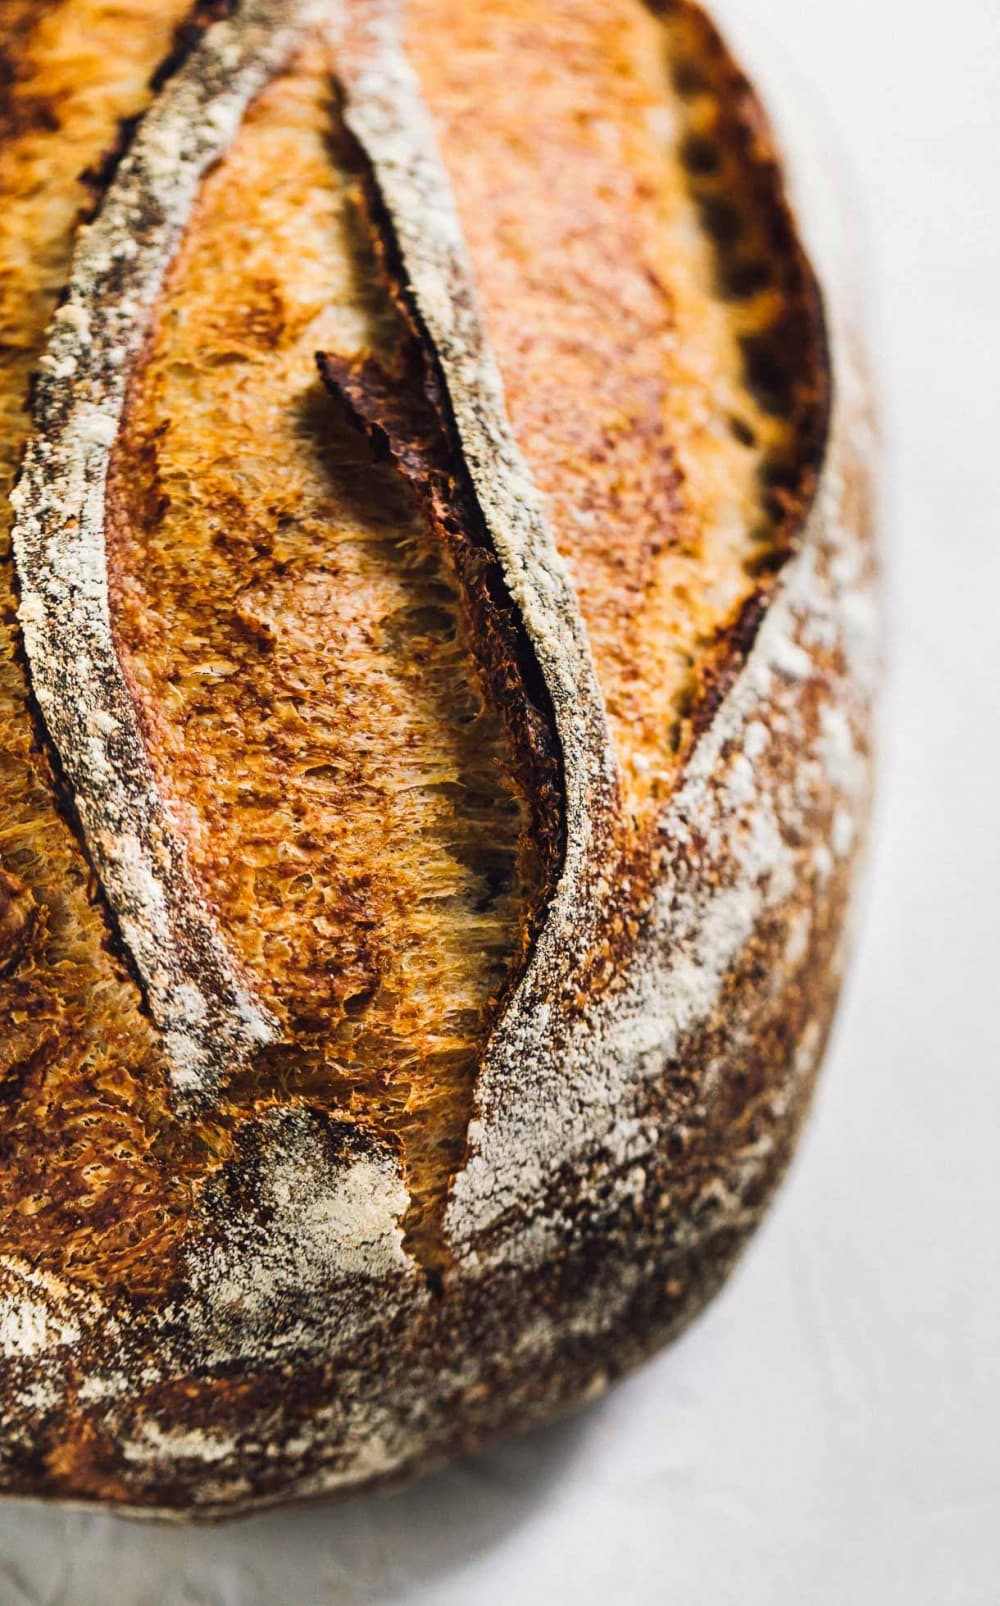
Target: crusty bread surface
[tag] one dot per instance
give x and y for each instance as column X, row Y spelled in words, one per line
column 417, row 942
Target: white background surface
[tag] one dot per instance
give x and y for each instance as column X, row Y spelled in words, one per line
column 828, row 1433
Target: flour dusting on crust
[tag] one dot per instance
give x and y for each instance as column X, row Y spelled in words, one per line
column 384, row 110
column 626, row 1138
column 210, row 1019
column 307, row 1207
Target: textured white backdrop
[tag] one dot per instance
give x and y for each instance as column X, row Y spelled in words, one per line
column 828, row 1433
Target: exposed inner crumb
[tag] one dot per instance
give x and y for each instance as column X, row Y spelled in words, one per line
column 313, row 709
column 301, row 657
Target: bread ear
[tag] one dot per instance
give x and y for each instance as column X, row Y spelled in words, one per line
column 414, row 209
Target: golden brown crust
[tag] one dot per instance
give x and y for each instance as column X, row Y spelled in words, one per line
column 656, row 325
column 73, row 1039
column 311, row 700
column 355, row 692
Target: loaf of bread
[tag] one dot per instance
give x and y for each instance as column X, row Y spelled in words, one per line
column 435, row 689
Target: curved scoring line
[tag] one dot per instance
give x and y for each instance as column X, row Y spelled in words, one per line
column 554, row 1076
column 384, row 110
column 209, row 1017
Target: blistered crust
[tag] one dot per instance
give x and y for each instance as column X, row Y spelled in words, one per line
column 640, row 1095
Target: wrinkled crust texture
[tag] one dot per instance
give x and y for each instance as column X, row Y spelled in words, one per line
column 518, row 751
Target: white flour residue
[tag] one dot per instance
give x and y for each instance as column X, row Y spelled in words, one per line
column 60, row 549
column 313, row 1221
column 748, row 823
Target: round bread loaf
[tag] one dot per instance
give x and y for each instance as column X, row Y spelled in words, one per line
column 435, row 684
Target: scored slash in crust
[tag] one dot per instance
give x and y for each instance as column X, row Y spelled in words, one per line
column 656, row 1042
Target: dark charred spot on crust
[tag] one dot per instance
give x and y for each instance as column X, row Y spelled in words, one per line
column 22, row 111
column 720, row 219
column 743, row 276
column 700, row 155
column 25, row 114
column 742, row 431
